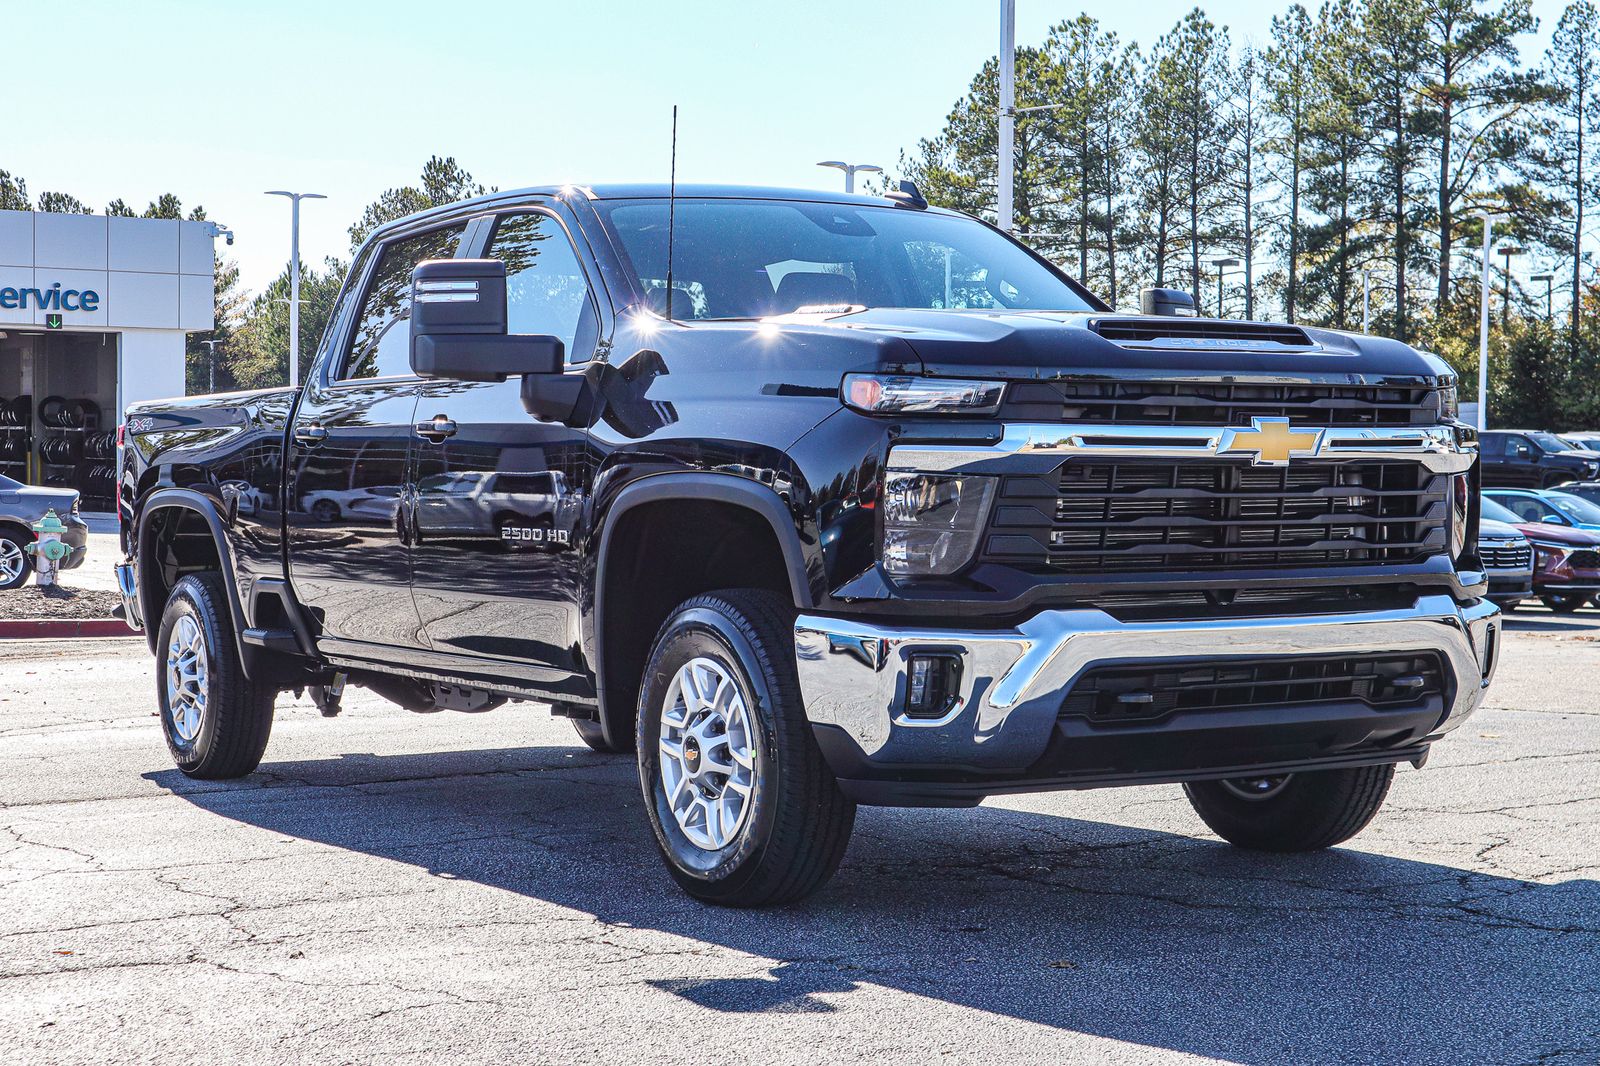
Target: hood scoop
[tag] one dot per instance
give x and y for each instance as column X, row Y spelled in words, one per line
column 1201, row 333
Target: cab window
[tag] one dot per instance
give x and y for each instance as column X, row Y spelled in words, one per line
column 546, row 290
column 380, row 344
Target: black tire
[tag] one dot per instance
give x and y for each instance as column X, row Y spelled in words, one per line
column 1306, row 812
column 797, row 824
column 590, row 733
column 1564, row 602
column 237, row 717
column 15, row 547
column 325, row 511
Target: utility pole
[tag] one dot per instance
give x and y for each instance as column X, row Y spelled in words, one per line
column 1483, row 323
column 1222, row 266
column 1548, row 279
column 1008, row 119
column 294, row 278
column 1366, row 299
column 211, row 373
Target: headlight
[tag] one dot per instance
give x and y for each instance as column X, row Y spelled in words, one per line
column 932, row 523
column 1450, row 399
column 1460, row 508
column 1547, row 556
column 886, row 394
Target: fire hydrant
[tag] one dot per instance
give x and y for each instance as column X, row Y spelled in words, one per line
column 48, row 549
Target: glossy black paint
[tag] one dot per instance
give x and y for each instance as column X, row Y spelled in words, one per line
column 477, row 556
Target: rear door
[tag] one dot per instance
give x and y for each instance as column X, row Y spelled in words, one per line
column 349, row 557
column 498, row 501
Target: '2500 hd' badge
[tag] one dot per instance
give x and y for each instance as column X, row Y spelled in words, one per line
column 534, row 535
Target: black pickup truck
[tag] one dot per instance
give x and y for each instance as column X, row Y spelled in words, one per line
column 818, row 500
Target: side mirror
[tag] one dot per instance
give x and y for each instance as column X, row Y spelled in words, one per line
column 1553, row 519
column 1169, row 303
column 458, row 325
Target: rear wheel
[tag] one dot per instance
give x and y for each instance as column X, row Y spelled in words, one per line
column 1563, row 602
column 1292, row 812
column 216, row 720
column 15, row 562
column 745, row 810
column 592, row 735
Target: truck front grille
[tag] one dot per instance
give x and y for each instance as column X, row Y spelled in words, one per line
column 1139, row 517
column 1506, row 554
column 1188, row 403
column 1584, row 559
column 1111, row 695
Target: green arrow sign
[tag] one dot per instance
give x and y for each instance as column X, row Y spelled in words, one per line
column 52, row 321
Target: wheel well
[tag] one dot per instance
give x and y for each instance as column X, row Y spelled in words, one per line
column 658, row 555
column 180, row 542
column 18, row 528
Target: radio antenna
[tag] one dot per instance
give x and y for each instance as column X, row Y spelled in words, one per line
column 672, row 203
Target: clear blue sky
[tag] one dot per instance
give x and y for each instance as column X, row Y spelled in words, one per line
column 217, row 101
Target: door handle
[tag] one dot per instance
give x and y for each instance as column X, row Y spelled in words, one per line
column 436, row 428
column 311, row 435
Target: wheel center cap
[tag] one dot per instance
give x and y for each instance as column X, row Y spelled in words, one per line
column 691, row 755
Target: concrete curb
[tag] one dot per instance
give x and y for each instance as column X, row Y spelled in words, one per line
column 57, row 628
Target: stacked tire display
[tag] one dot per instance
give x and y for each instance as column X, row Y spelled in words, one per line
column 71, row 448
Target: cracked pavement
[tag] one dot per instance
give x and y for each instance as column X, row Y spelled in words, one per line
column 481, row 887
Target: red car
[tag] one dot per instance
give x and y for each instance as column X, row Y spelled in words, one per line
column 1566, row 561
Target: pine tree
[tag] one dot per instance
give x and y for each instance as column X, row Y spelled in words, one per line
column 1288, row 73
column 1573, row 68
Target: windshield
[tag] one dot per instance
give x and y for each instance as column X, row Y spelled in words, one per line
column 7, row 483
column 1497, row 513
column 753, row 258
column 1576, row 508
column 1551, row 443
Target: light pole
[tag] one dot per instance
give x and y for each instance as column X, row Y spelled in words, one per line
column 294, row 278
column 1008, row 103
column 1489, row 220
column 1547, row 279
column 850, row 171
column 211, row 374
column 1508, row 251
column 1222, row 266
column 1366, row 299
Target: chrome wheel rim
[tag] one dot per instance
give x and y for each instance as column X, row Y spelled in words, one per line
column 1257, row 788
column 186, row 679
column 708, row 762
column 12, row 561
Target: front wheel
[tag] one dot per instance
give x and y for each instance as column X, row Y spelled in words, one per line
column 1563, row 602
column 15, row 562
column 216, row 720
column 746, row 812
column 1292, row 812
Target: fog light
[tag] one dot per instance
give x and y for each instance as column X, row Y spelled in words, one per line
column 932, row 685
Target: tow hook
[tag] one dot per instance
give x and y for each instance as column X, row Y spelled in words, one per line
column 327, row 697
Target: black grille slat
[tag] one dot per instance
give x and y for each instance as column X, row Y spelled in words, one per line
column 1112, row 695
column 1158, row 403
column 1142, row 516
column 1506, row 555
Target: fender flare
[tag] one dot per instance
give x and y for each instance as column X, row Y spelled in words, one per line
column 696, row 485
column 175, row 499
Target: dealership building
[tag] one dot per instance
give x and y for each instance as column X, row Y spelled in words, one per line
column 94, row 313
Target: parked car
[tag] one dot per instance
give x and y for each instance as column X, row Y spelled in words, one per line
column 1566, row 560
column 20, row 507
column 1554, row 507
column 1584, row 439
column 1514, row 458
column 881, row 508
column 1507, row 556
column 1588, row 490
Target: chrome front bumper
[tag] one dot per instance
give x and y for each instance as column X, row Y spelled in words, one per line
column 1013, row 681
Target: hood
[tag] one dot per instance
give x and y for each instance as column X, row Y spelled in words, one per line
column 1578, row 538
column 1489, row 529
column 1045, row 345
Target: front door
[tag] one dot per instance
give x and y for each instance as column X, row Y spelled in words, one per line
column 498, row 499
column 349, row 559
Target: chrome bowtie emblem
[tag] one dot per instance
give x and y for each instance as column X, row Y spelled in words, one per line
column 1270, row 442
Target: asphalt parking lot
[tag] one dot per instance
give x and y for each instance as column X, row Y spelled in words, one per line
column 481, row 887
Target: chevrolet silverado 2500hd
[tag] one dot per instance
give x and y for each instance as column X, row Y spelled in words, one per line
column 813, row 501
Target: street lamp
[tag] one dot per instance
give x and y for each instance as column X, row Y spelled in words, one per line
column 294, row 278
column 850, row 170
column 1508, row 251
column 1489, row 220
column 211, row 376
column 1222, row 266
column 1547, row 279
column 1008, row 119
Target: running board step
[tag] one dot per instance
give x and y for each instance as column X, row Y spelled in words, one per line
column 272, row 639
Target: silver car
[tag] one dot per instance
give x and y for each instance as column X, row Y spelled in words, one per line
column 1508, row 559
column 20, row 507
